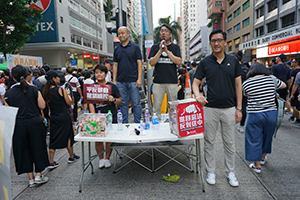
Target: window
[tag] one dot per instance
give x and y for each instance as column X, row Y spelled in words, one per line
column 237, row 27
column 246, row 22
column 63, row 39
column 84, row 12
column 73, row 38
column 259, row 31
column 61, row 19
column 246, row 37
column 237, row 42
column 229, row 18
column 93, row 3
column 101, row 47
column 259, row 12
column 229, row 32
column 85, row 27
column 246, row 5
column 288, row 20
column 75, row 22
column 78, row 40
column 230, row 46
column 218, row 4
column 237, row 12
column 93, row 17
column 272, row 26
column 74, row 5
column 272, row 5
column 93, row 31
column 95, row 45
column 86, row 42
column 285, row 1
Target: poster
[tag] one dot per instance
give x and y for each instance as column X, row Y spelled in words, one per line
column 95, row 93
column 7, row 125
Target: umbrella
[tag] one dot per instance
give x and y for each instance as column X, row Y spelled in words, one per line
column 3, row 66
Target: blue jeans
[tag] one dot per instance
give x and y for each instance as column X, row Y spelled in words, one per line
column 129, row 91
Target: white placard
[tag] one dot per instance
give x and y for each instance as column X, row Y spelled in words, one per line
column 148, row 43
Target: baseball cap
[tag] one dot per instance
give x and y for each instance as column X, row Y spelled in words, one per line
column 109, row 61
column 51, row 74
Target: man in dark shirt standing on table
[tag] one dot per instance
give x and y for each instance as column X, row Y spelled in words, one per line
column 223, row 104
column 282, row 72
column 127, row 74
column 164, row 56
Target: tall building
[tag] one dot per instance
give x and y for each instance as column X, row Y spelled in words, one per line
column 185, row 33
column 216, row 11
column 239, row 20
column 71, row 33
column 276, row 30
column 199, row 47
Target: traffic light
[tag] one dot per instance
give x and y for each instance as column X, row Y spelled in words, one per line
column 117, row 19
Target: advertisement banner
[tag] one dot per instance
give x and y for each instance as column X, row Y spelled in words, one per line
column 46, row 29
column 95, row 93
column 7, row 125
column 13, row 60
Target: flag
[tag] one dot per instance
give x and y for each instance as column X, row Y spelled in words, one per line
column 144, row 18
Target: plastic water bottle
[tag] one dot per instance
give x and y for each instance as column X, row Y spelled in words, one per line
column 109, row 120
column 155, row 122
column 120, row 120
column 147, row 119
column 142, row 124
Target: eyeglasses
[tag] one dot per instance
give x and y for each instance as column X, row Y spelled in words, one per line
column 217, row 40
column 166, row 31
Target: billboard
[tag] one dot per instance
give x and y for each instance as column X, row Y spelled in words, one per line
column 13, row 60
column 46, row 29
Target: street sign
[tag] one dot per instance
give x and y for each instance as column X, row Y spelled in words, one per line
column 73, row 62
column 148, row 43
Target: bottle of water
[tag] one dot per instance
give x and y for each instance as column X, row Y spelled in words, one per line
column 147, row 119
column 155, row 122
column 142, row 124
column 120, row 120
column 109, row 120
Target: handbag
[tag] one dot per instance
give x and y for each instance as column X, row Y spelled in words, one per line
column 280, row 106
column 69, row 108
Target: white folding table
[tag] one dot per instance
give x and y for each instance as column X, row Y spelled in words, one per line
column 126, row 136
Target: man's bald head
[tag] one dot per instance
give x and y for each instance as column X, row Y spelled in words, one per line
column 123, row 34
column 125, row 28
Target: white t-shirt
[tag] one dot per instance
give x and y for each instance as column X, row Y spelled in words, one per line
column 108, row 77
column 2, row 92
column 73, row 82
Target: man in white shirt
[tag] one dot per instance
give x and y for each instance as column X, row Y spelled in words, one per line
column 109, row 64
column 75, row 88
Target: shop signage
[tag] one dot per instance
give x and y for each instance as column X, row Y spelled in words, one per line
column 13, row 60
column 286, row 47
column 265, row 40
column 86, row 56
column 215, row 26
column 96, row 57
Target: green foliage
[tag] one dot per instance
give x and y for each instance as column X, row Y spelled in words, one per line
column 211, row 22
column 107, row 9
column 15, row 13
column 174, row 25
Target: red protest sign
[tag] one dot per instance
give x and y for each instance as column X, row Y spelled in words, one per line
column 95, row 93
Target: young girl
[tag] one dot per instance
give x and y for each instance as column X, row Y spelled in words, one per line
column 61, row 130
column 114, row 98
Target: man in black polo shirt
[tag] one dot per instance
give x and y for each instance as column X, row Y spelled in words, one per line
column 223, row 104
column 127, row 74
column 164, row 56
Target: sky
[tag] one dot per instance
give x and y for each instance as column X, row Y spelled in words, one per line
column 163, row 9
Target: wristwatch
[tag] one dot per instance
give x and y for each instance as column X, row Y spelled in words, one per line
column 239, row 109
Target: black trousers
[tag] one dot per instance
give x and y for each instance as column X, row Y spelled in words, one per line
column 75, row 108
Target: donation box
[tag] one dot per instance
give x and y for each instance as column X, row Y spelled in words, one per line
column 186, row 117
column 93, row 125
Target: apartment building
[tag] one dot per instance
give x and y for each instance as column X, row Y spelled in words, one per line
column 239, row 20
column 276, row 29
column 71, row 33
column 199, row 44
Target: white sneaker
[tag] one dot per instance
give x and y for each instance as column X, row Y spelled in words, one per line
column 101, row 163
column 232, row 180
column 255, row 169
column 263, row 162
column 211, row 178
column 107, row 163
column 241, row 129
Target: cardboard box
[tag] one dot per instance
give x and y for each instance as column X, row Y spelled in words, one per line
column 186, row 117
column 93, row 125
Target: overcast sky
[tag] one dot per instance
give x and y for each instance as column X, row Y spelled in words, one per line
column 163, row 9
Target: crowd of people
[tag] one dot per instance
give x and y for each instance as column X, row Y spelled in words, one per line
column 48, row 101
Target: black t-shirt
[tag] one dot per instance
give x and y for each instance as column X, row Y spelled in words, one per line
column 165, row 69
column 282, row 72
column 293, row 74
column 28, row 112
column 220, row 80
column 111, row 105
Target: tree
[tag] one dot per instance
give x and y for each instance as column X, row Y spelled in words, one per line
column 174, row 26
column 108, row 8
column 17, row 22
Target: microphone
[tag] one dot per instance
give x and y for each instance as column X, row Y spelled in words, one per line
column 163, row 45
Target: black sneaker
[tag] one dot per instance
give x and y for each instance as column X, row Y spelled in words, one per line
column 76, row 156
column 53, row 165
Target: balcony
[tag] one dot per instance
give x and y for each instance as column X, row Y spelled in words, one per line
column 215, row 8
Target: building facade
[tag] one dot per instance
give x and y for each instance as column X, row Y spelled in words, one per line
column 71, row 33
column 216, row 11
column 199, row 44
column 276, row 29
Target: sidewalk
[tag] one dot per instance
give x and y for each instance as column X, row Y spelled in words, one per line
column 280, row 177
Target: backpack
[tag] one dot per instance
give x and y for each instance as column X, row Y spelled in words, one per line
column 280, row 106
